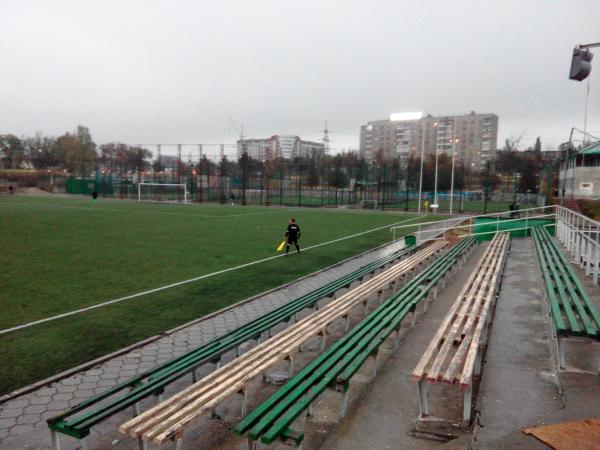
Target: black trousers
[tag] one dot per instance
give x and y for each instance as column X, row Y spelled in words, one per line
column 290, row 241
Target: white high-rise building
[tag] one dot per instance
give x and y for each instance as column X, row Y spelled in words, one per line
column 287, row 145
column 284, row 146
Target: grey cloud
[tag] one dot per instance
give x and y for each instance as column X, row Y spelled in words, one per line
column 160, row 71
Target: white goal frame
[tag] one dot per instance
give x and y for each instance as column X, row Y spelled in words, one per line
column 182, row 185
column 363, row 203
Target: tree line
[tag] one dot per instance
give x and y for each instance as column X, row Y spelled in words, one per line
column 77, row 153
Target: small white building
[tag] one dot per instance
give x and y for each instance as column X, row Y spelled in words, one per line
column 580, row 174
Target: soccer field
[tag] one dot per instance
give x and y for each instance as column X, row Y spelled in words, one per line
column 61, row 254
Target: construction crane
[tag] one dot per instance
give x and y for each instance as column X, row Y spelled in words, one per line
column 326, row 138
column 240, row 132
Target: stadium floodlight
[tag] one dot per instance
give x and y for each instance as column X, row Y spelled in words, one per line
column 581, row 61
column 164, row 192
column 397, row 117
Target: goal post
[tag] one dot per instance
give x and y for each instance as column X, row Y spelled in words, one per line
column 368, row 204
column 163, row 192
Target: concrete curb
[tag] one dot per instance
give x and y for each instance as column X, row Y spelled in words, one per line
column 54, row 378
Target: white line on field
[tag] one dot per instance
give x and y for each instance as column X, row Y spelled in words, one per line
column 191, row 280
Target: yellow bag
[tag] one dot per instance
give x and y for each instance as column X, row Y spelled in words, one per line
column 281, row 246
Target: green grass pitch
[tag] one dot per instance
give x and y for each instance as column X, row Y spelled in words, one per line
column 60, row 254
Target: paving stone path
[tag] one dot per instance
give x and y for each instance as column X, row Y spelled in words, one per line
column 23, row 419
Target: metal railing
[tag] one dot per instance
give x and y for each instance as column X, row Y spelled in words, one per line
column 466, row 224
column 580, row 235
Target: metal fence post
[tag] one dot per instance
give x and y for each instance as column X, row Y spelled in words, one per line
column 596, row 260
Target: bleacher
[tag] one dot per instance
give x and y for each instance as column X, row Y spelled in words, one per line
column 334, row 369
column 169, row 419
column 79, row 419
column 572, row 312
column 454, row 355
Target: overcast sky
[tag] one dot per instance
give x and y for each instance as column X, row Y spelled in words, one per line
column 175, row 71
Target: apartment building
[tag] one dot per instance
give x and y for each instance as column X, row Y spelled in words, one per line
column 279, row 146
column 472, row 136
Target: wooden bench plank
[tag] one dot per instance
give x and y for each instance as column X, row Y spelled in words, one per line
column 464, row 319
column 454, row 353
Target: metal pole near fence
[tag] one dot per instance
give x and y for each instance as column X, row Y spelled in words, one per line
column 421, row 171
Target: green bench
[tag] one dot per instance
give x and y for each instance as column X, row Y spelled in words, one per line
column 334, row 368
column 572, row 312
column 78, row 420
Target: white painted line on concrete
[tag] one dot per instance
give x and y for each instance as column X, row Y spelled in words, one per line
column 191, row 280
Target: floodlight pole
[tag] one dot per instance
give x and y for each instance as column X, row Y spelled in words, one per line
column 421, row 172
column 435, row 202
column 436, row 172
column 587, row 94
column 453, row 156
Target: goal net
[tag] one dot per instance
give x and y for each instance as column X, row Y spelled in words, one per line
column 163, row 192
column 368, row 204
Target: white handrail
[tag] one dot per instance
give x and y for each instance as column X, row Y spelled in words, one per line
column 575, row 232
column 471, row 225
column 579, row 234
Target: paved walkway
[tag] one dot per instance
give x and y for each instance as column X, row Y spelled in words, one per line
column 520, row 386
column 519, row 382
column 23, row 419
column 386, row 409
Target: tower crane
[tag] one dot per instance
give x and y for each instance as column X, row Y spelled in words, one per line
column 240, row 132
column 326, row 139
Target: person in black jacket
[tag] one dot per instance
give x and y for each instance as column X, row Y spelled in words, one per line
column 292, row 234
